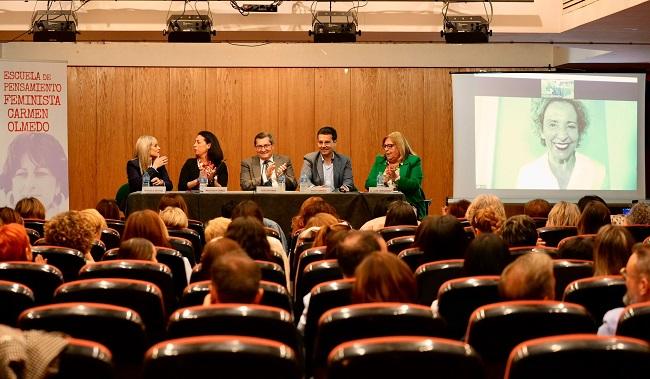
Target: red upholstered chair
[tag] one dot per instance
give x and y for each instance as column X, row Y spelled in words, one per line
column 15, row 298
column 569, row 270
column 235, row 319
column 398, row 244
column 308, row 256
column 390, row 232
column 199, row 227
column 598, row 294
column 635, row 321
column 118, row 328
column 97, row 250
column 403, row 356
column 69, row 261
column 194, row 238
column 579, row 356
column 274, row 295
column 36, row 224
column 431, row 275
column 516, row 252
column 198, row 274
column 118, row 225
column 272, row 272
column 42, row 279
column 233, row 356
column 314, row 274
column 540, row 222
column 185, row 247
column 552, row 235
column 33, row 235
column 358, row 321
column 156, row 273
column 639, row 231
column 495, row 329
column 111, row 238
column 143, row 297
column 173, row 259
column 81, row 357
column 270, row 232
column 458, row 298
column 413, row 257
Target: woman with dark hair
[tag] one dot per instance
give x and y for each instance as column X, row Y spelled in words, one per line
column 137, row 248
column 10, row 216
column 401, row 213
column 30, row 207
column 208, row 162
column 36, row 166
column 441, row 237
column 249, row 233
column 146, row 224
column 487, row 254
column 309, row 209
column 109, row 209
column 595, row 215
column 147, row 158
column 383, row 277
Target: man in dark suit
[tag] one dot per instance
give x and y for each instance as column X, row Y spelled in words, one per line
column 265, row 168
column 326, row 167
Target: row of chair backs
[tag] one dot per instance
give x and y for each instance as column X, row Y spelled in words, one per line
column 275, row 295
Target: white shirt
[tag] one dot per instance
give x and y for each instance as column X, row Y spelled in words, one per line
column 587, row 174
column 274, row 179
column 328, row 173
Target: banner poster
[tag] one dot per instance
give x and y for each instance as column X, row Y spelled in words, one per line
column 34, row 134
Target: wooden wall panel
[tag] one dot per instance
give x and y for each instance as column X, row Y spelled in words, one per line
column 187, row 115
column 151, row 106
column 82, row 136
column 438, row 150
column 332, row 99
column 224, row 114
column 114, row 129
column 295, row 136
column 260, row 103
column 368, row 119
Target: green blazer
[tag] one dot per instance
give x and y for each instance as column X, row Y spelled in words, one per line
column 409, row 183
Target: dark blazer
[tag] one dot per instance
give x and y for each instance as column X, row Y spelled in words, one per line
column 312, row 166
column 135, row 177
column 250, row 175
column 190, row 171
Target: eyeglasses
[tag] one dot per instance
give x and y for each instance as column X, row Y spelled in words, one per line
column 326, row 143
column 263, row 147
column 389, row 146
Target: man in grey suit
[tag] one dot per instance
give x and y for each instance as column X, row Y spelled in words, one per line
column 326, row 167
column 265, row 168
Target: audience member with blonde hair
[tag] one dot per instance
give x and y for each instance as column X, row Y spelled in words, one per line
column 30, row 207
column 95, row 218
column 71, row 229
column 174, row 218
column 612, row 248
column 486, row 220
column 563, row 213
column 137, row 248
column 383, row 277
column 173, row 200
column 529, row 277
column 492, row 219
column 216, row 228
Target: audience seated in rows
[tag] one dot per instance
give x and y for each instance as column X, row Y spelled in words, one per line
column 216, row 228
column 612, row 248
column 30, row 207
column 399, row 212
column 583, row 201
column 383, row 277
column 96, row 219
column 637, row 281
column 14, row 244
column 537, row 208
column 581, row 247
column 440, row 237
column 173, row 200
column 71, row 229
column 109, row 209
column 456, row 209
column 215, row 249
column 249, row 233
column 486, row 220
column 639, row 214
column 519, row 230
column 251, row 208
column 137, row 248
column 146, row 224
column 529, row 277
column 563, row 213
column 174, row 218
column 314, row 224
column 235, row 278
column 351, row 251
column 323, row 237
column 308, row 209
column 593, row 216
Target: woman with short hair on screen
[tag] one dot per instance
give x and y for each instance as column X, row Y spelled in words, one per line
column 147, row 158
column 561, row 124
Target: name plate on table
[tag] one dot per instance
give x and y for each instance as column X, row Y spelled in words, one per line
column 381, row 189
column 320, row 189
column 265, row 189
column 154, row 189
column 213, row 190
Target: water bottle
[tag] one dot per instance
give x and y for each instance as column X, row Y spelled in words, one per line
column 304, row 183
column 281, row 182
column 380, row 179
column 146, row 180
column 203, row 182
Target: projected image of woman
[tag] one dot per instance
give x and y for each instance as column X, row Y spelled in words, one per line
column 561, row 124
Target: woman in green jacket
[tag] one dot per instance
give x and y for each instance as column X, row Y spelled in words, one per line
column 400, row 168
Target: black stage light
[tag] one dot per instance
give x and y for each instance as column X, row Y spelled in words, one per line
column 189, row 28
column 55, row 26
column 466, row 29
column 334, row 27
